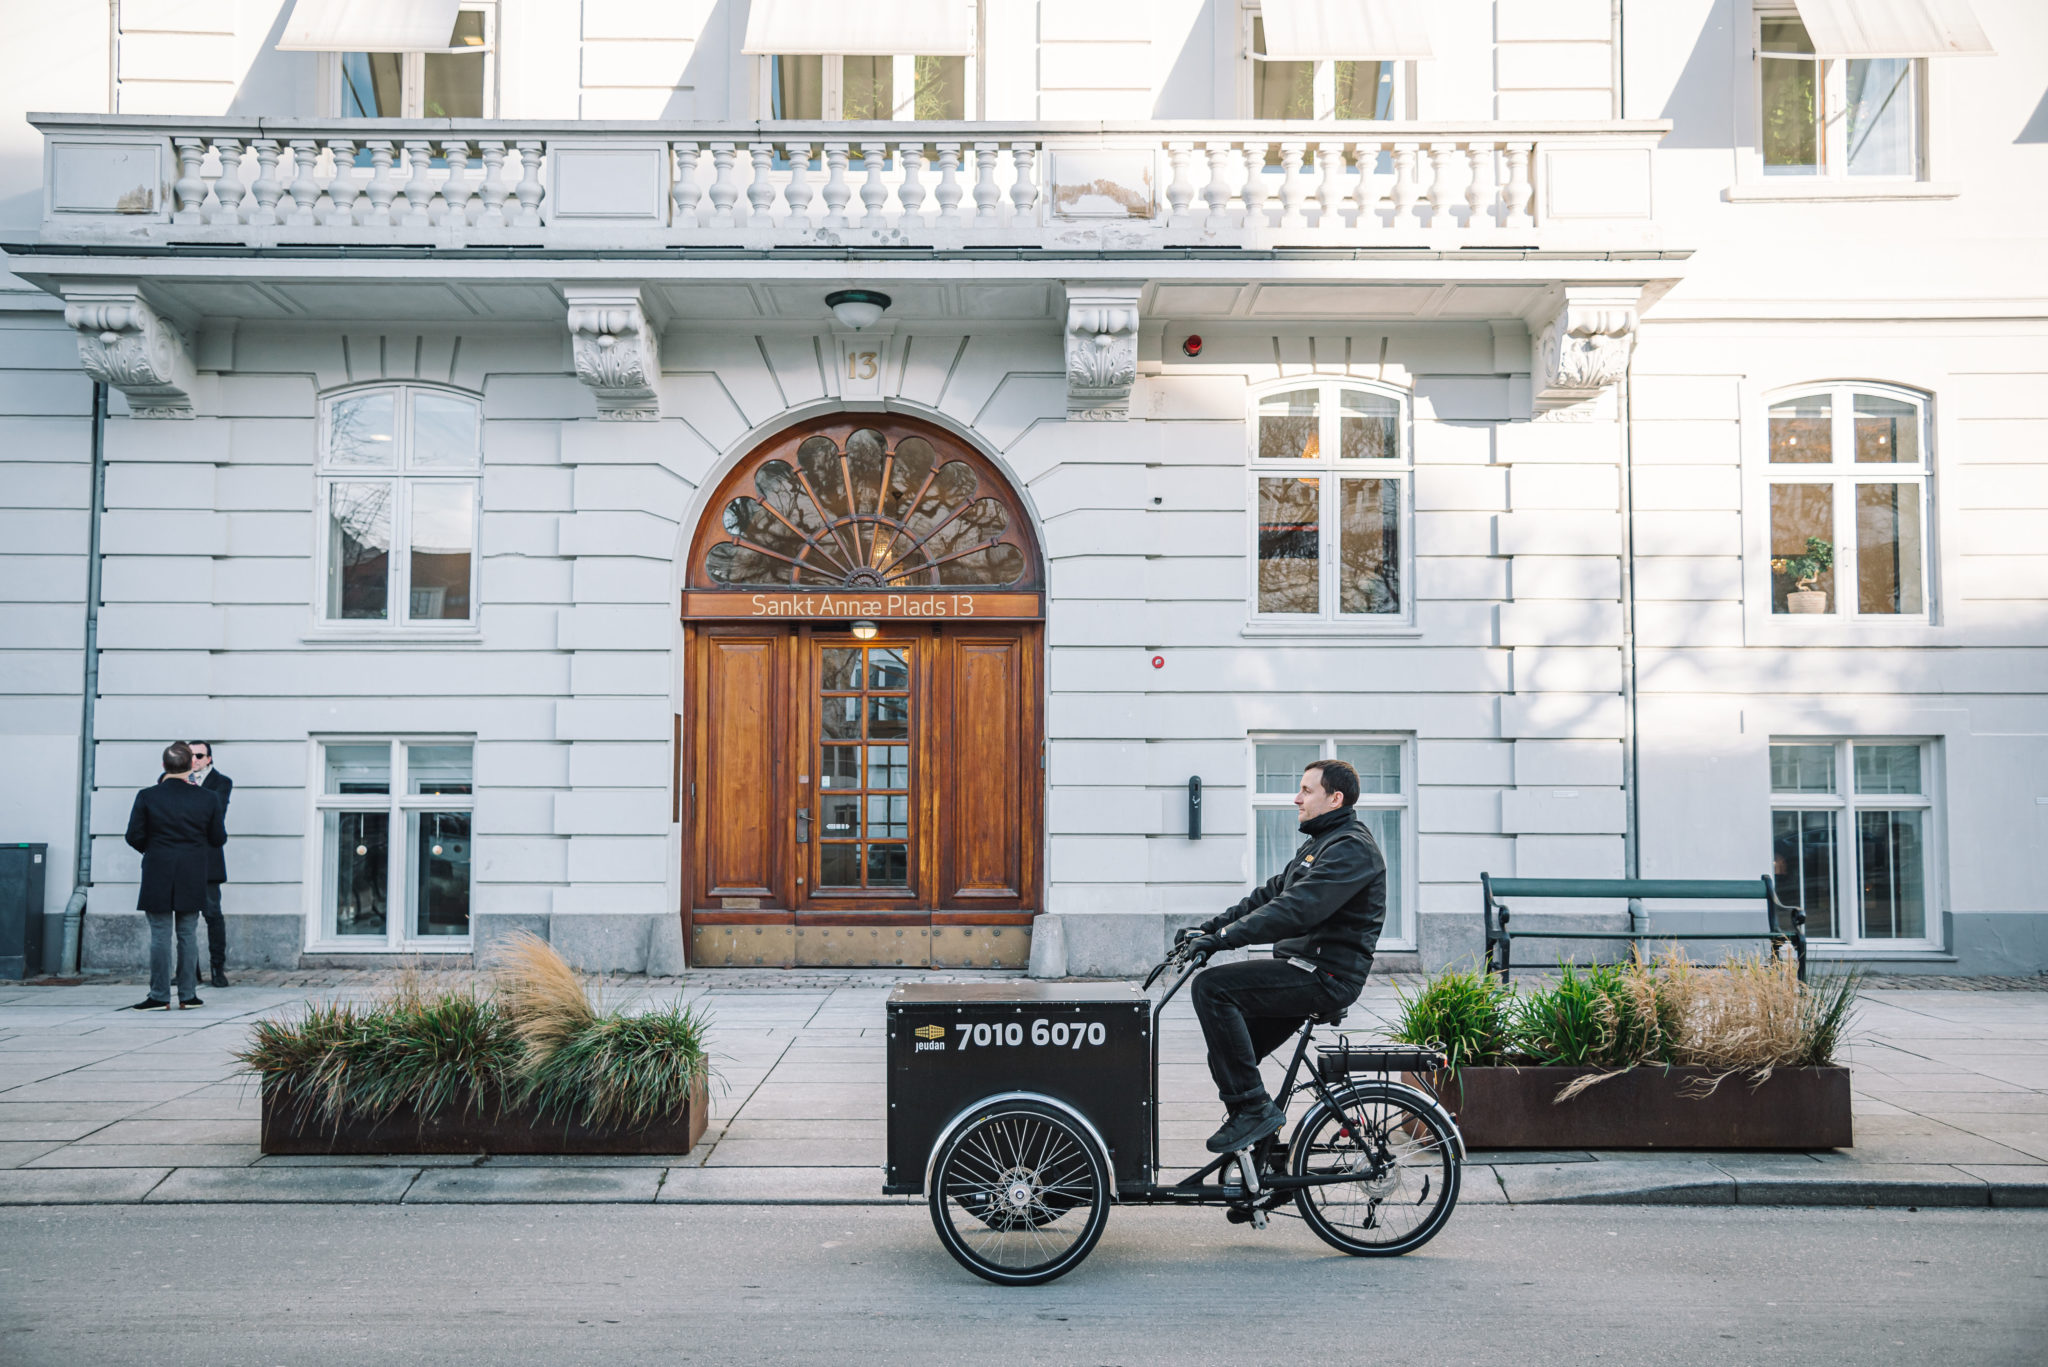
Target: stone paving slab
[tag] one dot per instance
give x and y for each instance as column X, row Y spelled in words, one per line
column 323, row 1186
column 469, row 1186
column 778, row 1187
column 78, row 1186
column 1656, row 1182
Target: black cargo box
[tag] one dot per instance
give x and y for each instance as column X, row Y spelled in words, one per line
column 952, row 1045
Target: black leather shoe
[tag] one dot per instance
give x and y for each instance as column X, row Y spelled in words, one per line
column 1247, row 1127
column 191, row 1001
column 150, row 1004
column 220, row 979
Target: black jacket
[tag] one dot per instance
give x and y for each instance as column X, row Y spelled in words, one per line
column 1326, row 906
column 178, row 828
column 222, row 787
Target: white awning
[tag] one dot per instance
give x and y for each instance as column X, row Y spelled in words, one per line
column 923, row 28
column 1893, row 28
column 1345, row 30
column 369, row 26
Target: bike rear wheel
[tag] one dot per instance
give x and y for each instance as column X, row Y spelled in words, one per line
column 1019, row 1194
column 1409, row 1159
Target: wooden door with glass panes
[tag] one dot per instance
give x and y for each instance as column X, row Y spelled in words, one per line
column 827, row 774
column 859, row 838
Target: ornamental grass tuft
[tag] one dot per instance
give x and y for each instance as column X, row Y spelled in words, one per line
column 534, row 1039
column 1750, row 1015
column 1462, row 1012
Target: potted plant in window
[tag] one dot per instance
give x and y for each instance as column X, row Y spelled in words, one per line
column 1805, row 571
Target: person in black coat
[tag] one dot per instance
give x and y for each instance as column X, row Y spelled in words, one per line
column 178, row 828
column 204, row 775
column 1322, row 914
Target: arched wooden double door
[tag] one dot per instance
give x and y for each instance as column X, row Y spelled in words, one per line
column 862, row 743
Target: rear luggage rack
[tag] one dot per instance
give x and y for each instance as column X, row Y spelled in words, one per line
column 1333, row 1064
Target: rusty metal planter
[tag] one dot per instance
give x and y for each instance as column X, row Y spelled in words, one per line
column 1650, row 1108
column 499, row 1129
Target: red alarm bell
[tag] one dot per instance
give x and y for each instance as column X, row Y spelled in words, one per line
column 1192, row 346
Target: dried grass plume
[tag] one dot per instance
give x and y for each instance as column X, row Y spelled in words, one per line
column 542, row 995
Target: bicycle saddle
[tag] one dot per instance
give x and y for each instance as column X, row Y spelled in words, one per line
column 1331, row 1017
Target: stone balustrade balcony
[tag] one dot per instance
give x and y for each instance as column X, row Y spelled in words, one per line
column 121, row 181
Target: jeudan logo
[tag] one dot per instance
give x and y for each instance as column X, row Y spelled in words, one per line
column 929, row 1037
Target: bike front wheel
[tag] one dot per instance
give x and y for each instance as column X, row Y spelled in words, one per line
column 1019, row 1194
column 1404, row 1158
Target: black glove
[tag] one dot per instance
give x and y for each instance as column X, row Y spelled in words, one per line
column 1204, row 945
column 1187, row 933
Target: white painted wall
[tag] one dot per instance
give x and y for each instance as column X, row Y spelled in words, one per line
column 1512, row 683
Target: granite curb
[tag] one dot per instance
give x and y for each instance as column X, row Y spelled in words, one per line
column 1675, row 1181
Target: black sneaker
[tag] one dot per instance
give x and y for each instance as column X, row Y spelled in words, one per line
column 220, row 979
column 191, row 1002
column 150, row 1004
column 1247, row 1127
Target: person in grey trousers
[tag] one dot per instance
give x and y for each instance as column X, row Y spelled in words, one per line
column 177, row 827
column 204, row 775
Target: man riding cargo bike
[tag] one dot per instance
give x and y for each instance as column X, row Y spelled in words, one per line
column 1022, row 1110
column 1322, row 914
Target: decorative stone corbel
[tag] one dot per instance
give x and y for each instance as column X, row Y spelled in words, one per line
column 1102, row 351
column 124, row 342
column 1583, row 346
column 617, row 352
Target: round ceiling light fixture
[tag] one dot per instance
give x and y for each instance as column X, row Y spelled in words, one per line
column 865, row 630
column 857, row 309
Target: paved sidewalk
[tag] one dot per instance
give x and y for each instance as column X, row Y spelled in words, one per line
column 103, row 1105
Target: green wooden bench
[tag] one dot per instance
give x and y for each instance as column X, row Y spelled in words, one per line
column 1786, row 924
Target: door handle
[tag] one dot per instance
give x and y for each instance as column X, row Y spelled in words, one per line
column 803, row 825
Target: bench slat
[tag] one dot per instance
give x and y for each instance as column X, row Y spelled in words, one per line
column 1521, row 934
column 1680, row 888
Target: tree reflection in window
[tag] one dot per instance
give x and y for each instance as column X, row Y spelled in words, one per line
column 863, row 516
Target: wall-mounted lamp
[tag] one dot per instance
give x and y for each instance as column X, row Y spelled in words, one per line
column 865, row 630
column 857, row 308
column 1192, row 346
column 1195, row 808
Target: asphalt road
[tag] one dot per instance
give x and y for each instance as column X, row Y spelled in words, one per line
column 262, row 1285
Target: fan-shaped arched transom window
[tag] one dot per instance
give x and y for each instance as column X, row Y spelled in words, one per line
column 865, row 502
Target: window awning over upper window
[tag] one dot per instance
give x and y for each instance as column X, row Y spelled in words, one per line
column 1345, row 30
column 1893, row 28
column 925, row 28
column 369, row 26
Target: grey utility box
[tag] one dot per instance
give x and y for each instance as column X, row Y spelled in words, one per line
column 21, row 909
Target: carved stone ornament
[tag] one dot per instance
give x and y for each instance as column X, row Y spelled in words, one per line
column 1102, row 353
column 124, row 343
column 617, row 353
column 1584, row 348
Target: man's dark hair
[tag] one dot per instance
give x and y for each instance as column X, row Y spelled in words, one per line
column 207, row 743
column 177, row 758
column 1337, row 777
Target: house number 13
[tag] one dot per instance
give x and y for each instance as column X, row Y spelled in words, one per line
column 860, row 365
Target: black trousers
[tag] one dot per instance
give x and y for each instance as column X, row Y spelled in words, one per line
column 1248, row 1010
column 216, row 929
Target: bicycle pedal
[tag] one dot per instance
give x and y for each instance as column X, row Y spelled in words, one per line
column 1259, row 1218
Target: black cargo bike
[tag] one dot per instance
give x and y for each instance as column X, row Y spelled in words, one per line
column 1022, row 1111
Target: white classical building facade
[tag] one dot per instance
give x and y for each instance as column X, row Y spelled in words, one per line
column 1620, row 427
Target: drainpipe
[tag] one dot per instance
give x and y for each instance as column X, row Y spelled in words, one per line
column 1631, row 772
column 74, row 910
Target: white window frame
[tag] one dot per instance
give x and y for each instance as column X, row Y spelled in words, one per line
column 1400, row 103
column 1846, row 802
column 397, row 622
column 1832, row 181
column 412, row 98
column 398, row 802
column 1398, row 933
column 903, row 80
column 1330, row 468
column 1843, row 473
